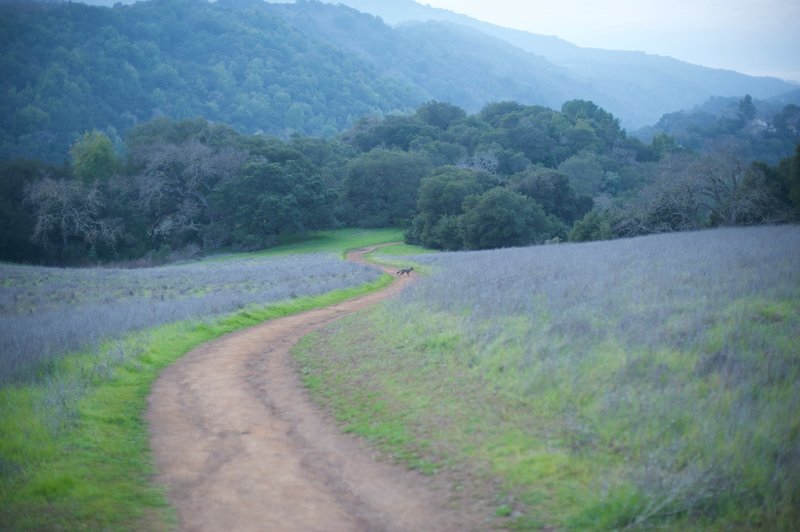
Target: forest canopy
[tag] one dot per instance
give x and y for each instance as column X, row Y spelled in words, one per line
column 67, row 68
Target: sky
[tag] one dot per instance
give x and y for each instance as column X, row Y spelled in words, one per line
column 754, row 37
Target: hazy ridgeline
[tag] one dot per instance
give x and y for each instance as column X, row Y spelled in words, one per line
column 611, row 384
column 46, row 312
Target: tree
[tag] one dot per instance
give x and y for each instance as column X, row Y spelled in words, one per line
column 493, row 113
column 439, row 206
column 670, row 203
column 398, row 132
column 789, row 170
column 585, row 173
column 483, row 160
column 787, row 122
column 692, row 192
column 663, row 145
column 586, row 115
column 747, row 109
column 596, row 224
column 69, row 214
column 439, row 114
column 381, row 187
column 265, row 200
column 16, row 219
column 502, row 218
column 734, row 191
column 553, row 191
column 173, row 182
column 93, row 157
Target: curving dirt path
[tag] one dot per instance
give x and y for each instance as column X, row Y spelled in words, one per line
column 240, row 446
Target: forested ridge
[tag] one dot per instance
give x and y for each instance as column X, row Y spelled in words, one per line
column 636, row 87
column 69, row 68
column 308, row 68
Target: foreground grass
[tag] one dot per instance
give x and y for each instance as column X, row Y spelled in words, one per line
column 645, row 383
column 92, row 469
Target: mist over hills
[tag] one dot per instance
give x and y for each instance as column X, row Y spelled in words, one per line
column 311, row 68
column 448, row 62
column 638, row 88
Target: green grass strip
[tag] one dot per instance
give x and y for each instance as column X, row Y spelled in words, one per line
column 332, row 241
column 96, row 474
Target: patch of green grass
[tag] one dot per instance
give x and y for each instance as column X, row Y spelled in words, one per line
column 400, row 250
column 396, row 256
column 337, row 241
column 504, row 511
column 95, row 472
column 359, row 410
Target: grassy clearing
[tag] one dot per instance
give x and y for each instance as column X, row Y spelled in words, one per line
column 400, row 256
column 334, row 241
column 73, row 443
column 638, row 383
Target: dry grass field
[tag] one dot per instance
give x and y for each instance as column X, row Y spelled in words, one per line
column 643, row 382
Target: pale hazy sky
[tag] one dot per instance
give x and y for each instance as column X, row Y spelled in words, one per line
column 750, row 36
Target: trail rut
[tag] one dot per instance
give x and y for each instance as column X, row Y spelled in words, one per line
column 239, row 445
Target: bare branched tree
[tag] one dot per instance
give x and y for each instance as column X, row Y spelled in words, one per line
column 483, row 160
column 175, row 180
column 69, row 209
column 671, row 203
column 719, row 188
column 733, row 190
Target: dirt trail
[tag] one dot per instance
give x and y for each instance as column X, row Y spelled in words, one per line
column 240, row 446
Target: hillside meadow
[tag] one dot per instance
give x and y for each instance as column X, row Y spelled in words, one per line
column 47, row 311
column 81, row 347
column 642, row 382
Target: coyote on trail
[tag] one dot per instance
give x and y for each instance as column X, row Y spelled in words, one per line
column 406, row 271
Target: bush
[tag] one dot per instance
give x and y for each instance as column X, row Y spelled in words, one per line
column 502, row 218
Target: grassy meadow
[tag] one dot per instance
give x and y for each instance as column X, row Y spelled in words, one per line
column 45, row 312
column 81, row 347
column 647, row 382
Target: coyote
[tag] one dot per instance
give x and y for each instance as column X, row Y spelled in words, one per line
column 406, row 271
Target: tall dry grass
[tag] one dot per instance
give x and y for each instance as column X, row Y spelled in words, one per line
column 662, row 371
column 46, row 312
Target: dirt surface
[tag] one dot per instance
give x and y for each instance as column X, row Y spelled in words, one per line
column 240, row 446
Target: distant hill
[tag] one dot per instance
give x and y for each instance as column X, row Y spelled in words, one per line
column 636, row 87
column 448, row 62
column 67, row 68
column 309, row 68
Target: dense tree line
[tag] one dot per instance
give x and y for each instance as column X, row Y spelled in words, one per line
column 508, row 175
column 761, row 129
column 182, row 185
column 694, row 191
